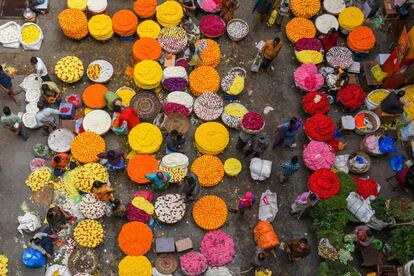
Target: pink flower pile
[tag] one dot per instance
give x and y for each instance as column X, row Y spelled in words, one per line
column 307, row 77
column 193, row 263
column 218, row 248
column 318, row 155
column 170, row 108
column 252, row 121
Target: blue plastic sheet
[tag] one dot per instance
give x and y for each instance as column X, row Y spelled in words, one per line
column 397, row 162
column 33, row 258
column 386, row 145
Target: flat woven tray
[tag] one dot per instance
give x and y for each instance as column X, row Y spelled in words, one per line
column 83, row 260
column 60, row 140
column 147, row 105
column 166, row 263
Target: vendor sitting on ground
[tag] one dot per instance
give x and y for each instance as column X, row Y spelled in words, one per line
column 392, row 103
column 302, row 203
column 43, row 242
column 128, row 115
column 257, row 146
column 159, row 179
column 59, row 163
column 175, row 141
column 191, row 28
column 296, row 249
column 102, row 191
column 405, row 178
column 50, row 92
column 330, row 40
column 191, row 187
column 57, row 218
column 364, row 236
column 115, row 159
column 112, row 99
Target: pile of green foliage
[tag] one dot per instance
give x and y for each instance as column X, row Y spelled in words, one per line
column 329, row 218
column 328, row 268
column 402, row 209
column 379, row 207
column 347, row 182
column 402, row 243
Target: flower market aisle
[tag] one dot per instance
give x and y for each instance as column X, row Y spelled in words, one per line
column 100, row 61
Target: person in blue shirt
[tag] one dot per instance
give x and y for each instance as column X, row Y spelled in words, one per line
column 175, row 142
column 160, row 180
column 288, row 168
column 6, row 84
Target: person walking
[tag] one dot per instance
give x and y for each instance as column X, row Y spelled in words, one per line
column 296, row 249
column 246, row 202
column 6, row 85
column 115, row 159
column 228, row 7
column 258, row 258
column 287, row 132
column 288, row 168
column 159, row 179
column 45, row 118
column 191, row 187
column 263, row 8
column 302, row 203
column 270, row 51
column 39, row 67
column 13, row 123
column 257, row 146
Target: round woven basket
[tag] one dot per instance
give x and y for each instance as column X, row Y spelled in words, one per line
column 355, row 170
column 147, row 105
column 83, row 260
column 178, row 122
column 234, row 38
column 166, row 263
column 227, row 81
column 373, row 118
column 363, row 147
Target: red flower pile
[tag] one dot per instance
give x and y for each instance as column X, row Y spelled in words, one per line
column 316, row 102
column 324, row 183
column 319, row 127
column 366, row 187
column 351, row 96
column 253, row 121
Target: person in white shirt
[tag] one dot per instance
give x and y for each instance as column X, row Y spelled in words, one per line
column 40, row 68
column 45, row 118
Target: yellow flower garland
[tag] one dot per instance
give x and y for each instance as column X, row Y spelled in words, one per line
column 149, row 28
column 145, row 138
column 147, row 74
column 169, row 13
column 126, row 94
column 143, row 204
column 234, row 110
column 89, row 233
column 309, row 56
column 350, row 18
column 135, row 265
column 39, row 178
column 100, row 27
column 232, row 167
column 77, row 4
column 237, row 86
column 211, row 138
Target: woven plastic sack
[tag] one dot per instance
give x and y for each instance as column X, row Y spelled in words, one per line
column 11, row 43
column 35, row 46
column 359, row 207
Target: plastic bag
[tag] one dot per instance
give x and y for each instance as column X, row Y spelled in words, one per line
column 378, row 74
column 32, row 81
column 359, row 207
column 268, row 206
column 265, row 235
column 407, row 131
column 341, row 163
column 33, row 258
column 397, row 162
column 35, row 46
column 386, row 145
column 41, row 151
column 8, row 42
column 29, row 223
column 218, row 271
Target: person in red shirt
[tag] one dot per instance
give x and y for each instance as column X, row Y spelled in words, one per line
column 129, row 115
column 330, row 39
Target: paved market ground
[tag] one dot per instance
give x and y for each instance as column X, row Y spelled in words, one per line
column 274, row 89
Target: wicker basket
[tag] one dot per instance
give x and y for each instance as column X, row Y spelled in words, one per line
column 363, row 147
column 233, row 38
column 355, row 170
column 373, row 118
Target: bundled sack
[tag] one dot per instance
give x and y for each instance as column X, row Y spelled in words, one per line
column 28, row 223
column 265, row 236
column 31, row 36
column 260, row 169
column 10, row 34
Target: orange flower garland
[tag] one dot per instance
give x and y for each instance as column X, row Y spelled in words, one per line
column 73, row 23
column 361, row 39
column 135, row 238
column 93, row 96
column 146, row 49
column 124, row 22
column 211, row 54
column 141, row 165
column 204, row 79
column 306, row 9
column 86, row 147
column 210, row 212
column 209, row 170
column 145, row 8
column 299, row 27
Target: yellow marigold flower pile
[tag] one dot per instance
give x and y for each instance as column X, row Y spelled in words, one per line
column 145, row 138
column 73, row 23
column 211, row 138
column 135, row 265
column 204, row 79
column 87, row 174
column 211, row 54
column 69, row 69
column 100, row 27
column 232, row 167
column 147, row 74
column 148, row 28
column 350, row 18
column 299, row 27
column 305, row 8
column 86, row 147
column 209, row 170
column 30, row 33
column 89, row 233
column 210, row 212
column 39, row 178
column 169, row 13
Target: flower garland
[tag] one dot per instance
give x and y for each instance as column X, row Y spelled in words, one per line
column 93, row 96
column 135, row 265
column 91, row 208
column 366, row 187
column 86, row 147
column 204, row 79
column 89, row 233
column 361, row 39
column 316, row 102
column 145, row 138
column 319, row 127
column 135, row 238
column 3, row 265
column 298, row 28
column 148, row 28
column 170, row 108
column 351, row 96
column 210, row 212
column 193, row 263
column 124, row 22
column 218, row 248
column 313, row 44
column 146, row 48
column 73, row 23
column 211, row 54
column 351, row 17
column 212, row 25
column 232, row 167
column 208, row 107
column 209, row 170
column 324, row 183
column 145, row 8
column 147, row 74
column 84, row 176
column 134, row 214
column 305, row 9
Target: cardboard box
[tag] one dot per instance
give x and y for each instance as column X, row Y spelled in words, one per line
column 164, row 245
column 184, row 244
